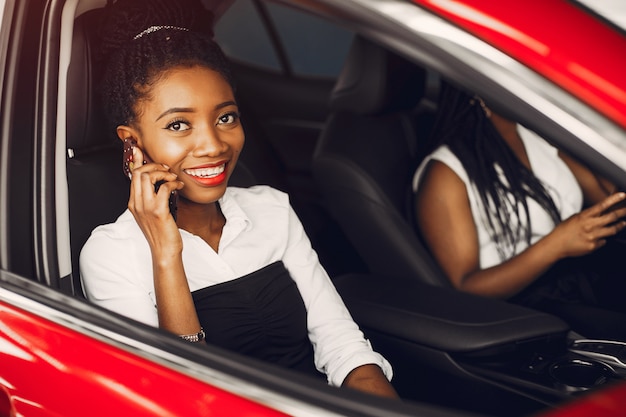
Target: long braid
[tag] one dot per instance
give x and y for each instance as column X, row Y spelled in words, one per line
column 502, row 182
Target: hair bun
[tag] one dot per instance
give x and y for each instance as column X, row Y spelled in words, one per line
column 125, row 19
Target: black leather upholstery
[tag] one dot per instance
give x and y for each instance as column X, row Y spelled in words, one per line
column 98, row 190
column 441, row 318
column 366, row 157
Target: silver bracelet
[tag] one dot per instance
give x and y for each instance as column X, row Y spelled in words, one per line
column 194, row 338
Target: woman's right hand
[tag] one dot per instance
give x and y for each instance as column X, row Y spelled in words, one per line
column 175, row 307
column 588, row 230
column 150, row 208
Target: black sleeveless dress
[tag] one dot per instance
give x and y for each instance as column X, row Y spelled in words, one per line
column 261, row 315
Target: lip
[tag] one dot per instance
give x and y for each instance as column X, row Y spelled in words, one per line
column 208, row 181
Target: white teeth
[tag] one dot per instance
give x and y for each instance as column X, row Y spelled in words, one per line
column 206, row 172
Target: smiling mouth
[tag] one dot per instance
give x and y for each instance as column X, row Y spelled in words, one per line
column 211, row 172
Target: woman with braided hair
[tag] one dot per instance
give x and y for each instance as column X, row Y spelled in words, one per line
column 500, row 210
column 232, row 266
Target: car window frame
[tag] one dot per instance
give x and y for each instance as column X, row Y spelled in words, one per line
column 400, row 39
column 17, row 169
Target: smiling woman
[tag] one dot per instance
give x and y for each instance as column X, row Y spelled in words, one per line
column 235, row 266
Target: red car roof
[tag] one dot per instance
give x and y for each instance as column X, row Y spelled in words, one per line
column 558, row 39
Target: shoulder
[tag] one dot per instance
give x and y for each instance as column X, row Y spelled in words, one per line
column 441, row 171
column 108, row 238
column 440, row 176
column 441, row 164
column 124, row 227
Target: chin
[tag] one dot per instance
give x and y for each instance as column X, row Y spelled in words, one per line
column 204, row 196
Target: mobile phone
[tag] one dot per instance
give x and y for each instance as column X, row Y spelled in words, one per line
column 127, row 167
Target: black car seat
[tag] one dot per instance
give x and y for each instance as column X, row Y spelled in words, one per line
column 366, row 157
column 98, row 190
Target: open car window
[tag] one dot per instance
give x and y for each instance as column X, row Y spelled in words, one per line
column 60, row 176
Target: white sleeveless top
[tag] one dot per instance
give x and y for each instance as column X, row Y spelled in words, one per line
column 547, row 166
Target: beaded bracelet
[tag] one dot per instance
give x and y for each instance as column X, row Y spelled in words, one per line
column 194, row 338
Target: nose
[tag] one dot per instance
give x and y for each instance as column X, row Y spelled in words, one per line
column 209, row 143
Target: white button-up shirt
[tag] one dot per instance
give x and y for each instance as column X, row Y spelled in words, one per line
column 261, row 228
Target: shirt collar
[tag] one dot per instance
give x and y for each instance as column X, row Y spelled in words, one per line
column 237, row 220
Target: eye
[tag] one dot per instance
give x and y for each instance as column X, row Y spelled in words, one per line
column 178, row 126
column 228, row 118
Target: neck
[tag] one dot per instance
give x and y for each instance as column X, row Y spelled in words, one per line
column 504, row 126
column 508, row 131
column 200, row 219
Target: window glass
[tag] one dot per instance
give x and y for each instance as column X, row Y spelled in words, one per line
column 313, row 45
column 243, row 37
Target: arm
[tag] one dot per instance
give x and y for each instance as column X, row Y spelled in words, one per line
column 594, row 187
column 446, row 222
column 340, row 347
column 370, row 379
column 112, row 275
column 175, row 307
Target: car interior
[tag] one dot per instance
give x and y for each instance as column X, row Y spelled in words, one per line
column 351, row 188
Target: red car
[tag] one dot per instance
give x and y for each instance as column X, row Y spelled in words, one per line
column 346, row 161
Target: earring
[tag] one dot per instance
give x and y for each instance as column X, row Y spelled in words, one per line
column 128, row 163
column 483, row 106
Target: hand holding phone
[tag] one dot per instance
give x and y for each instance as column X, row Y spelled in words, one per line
column 128, row 164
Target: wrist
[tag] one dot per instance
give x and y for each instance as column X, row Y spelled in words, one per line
column 166, row 256
column 549, row 249
column 194, row 337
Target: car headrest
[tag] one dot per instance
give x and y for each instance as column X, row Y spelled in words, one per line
column 376, row 81
column 85, row 117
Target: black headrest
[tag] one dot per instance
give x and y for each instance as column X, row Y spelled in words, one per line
column 85, row 118
column 376, row 81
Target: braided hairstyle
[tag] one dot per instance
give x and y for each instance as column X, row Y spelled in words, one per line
column 501, row 181
column 137, row 55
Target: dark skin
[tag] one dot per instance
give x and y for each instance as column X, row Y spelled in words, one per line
column 190, row 124
column 446, row 222
column 370, row 379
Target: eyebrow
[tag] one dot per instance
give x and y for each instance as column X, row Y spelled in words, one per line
column 191, row 109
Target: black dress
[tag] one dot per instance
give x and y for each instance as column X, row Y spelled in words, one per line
column 261, row 315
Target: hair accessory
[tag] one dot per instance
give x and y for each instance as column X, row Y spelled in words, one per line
column 480, row 101
column 194, row 338
column 152, row 29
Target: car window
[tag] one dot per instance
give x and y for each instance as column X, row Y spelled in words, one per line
column 312, row 46
column 251, row 45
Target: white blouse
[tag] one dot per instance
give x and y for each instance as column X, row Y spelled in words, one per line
column 261, row 228
column 546, row 165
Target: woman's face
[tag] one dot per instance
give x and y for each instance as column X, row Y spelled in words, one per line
column 190, row 122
